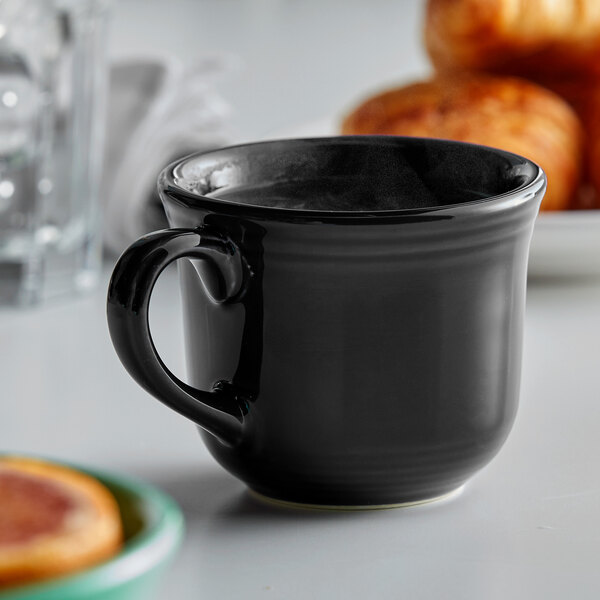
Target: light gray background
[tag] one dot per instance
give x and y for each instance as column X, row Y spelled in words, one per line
column 527, row 527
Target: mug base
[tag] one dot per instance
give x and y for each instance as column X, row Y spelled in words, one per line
column 352, row 507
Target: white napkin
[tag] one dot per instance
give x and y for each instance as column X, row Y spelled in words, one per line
column 158, row 111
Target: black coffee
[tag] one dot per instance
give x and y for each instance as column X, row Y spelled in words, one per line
column 336, row 194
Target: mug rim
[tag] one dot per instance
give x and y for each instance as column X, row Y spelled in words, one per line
column 511, row 199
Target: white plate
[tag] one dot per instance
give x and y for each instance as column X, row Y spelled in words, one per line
column 564, row 244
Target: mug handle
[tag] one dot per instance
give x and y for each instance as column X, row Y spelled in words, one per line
column 219, row 411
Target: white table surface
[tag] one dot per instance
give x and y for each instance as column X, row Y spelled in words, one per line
column 526, row 527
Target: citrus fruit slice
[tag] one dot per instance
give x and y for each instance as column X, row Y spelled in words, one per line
column 53, row 520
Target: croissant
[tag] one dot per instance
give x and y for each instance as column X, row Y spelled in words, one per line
column 508, row 113
column 591, row 119
column 536, row 39
column 584, row 97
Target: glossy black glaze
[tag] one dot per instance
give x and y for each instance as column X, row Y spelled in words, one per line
column 352, row 358
column 127, row 309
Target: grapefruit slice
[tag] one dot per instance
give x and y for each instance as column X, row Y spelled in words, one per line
column 53, row 521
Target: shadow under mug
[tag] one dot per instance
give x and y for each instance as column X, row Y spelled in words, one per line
column 346, row 357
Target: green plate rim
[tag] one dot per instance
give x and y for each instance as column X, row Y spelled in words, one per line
column 145, row 551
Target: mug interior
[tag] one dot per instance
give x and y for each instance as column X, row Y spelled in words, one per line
column 354, row 174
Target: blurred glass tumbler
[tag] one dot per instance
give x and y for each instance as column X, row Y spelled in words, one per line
column 353, row 311
column 52, row 100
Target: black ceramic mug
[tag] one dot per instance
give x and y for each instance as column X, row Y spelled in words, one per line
column 353, row 311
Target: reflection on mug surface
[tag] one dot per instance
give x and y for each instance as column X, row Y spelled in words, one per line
column 353, row 311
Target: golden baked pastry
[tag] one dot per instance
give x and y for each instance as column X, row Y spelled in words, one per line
column 554, row 43
column 53, row 521
column 507, row 113
column 584, row 96
column 536, row 39
column 592, row 127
